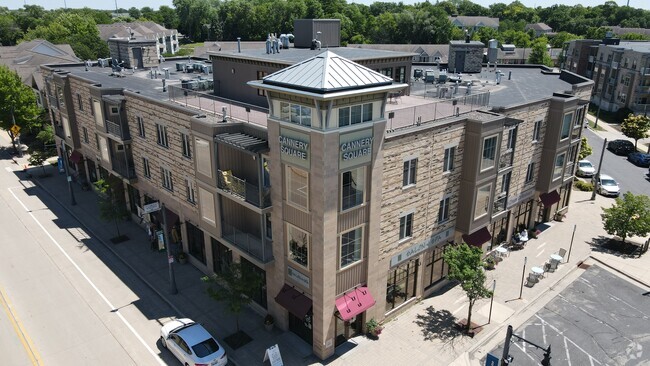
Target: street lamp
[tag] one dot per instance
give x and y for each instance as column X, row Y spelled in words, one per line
column 170, row 258
column 523, row 274
column 64, row 156
column 571, row 245
column 597, row 176
column 494, row 286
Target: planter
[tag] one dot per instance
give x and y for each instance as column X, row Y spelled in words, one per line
column 182, row 258
column 268, row 322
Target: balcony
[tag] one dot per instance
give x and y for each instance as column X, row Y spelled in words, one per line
column 243, row 190
column 118, row 130
column 499, row 203
column 505, row 160
column 58, row 130
column 248, row 243
column 614, row 65
column 120, row 166
column 53, row 101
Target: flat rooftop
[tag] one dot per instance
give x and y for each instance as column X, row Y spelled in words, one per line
column 293, row 55
column 643, row 47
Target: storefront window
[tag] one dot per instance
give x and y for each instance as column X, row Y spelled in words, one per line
column 401, row 283
column 351, row 247
column 298, row 242
column 435, row 268
column 196, row 242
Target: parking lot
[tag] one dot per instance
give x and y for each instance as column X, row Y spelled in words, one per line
column 600, row 319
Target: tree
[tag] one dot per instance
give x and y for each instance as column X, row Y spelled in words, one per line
column 629, row 216
column 466, row 266
column 585, row 149
column 539, row 54
column 636, row 127
column 235, row 286
column 18, row 103
column 37, row 158
column 112, row 206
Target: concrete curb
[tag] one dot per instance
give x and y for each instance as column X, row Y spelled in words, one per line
column 600, row 261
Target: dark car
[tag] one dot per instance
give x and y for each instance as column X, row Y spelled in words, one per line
column 621, row 147
column 639, row 159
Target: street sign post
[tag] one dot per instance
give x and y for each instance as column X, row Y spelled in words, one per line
column 162, row 235
column 492, row 360
column 15, row 129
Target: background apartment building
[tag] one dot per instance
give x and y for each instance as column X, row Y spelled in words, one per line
column 343, row 210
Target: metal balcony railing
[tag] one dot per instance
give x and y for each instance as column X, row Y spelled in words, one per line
column 122, row 168
column 242, row 189
column 505, row 160
column 499, row 204
column 249, row 243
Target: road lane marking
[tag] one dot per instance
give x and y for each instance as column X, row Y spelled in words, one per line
column 568, row 356
column 90, row 282
column 591, row 358
column 27, row 343
column 8, row 168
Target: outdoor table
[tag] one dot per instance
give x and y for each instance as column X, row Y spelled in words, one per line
column 537, row 271
column 556, row 258
column 502, row 251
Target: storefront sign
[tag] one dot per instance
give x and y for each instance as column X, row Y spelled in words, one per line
column 294, row 147
column 272, row 355
column 355, row 148
column 298, row 276
column 416, row 249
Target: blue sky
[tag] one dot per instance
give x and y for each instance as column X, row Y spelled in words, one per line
column 110, row 4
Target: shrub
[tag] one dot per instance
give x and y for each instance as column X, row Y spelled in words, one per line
column 584, row 186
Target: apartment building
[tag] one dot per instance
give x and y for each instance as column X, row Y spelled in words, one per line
column 341, row 199
column 620, row 71
column 164, row 40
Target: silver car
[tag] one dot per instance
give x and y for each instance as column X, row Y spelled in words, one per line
column 585, row 169
column 607, row 186
column 192, row 344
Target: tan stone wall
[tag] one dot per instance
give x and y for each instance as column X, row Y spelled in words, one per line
column 85, row 117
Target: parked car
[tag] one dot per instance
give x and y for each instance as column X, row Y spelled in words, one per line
column 585, row 169
column 639, row 159
column 192, row 344
column 607, row 186
column 621, row 147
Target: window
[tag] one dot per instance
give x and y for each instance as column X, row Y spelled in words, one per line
column 297, row 187
column 388, row 72
column 448, row 163
column 203, row 158
column 295, row 113
column 443, row 211
column 60, row 97
column 401, row 74
column 489, row 152
column 145, row 168
column 140, row 121
column 406, row 226
column 559, row 164
column 352, row 188
column 102, row 146
column 355, row 114
column 505, row 182
column 85, row 133
column 536, row 128
column 185, row 142
column 115, row 110
column 410, row 169
column 97, row 112
column 190, row 191
column 162, row 135
column 351, row 247
column 260, row 76
column 482, row 203
column 166, row 176
column 80, row 102
column 298, row 243
column 566, row 126
column 530, row 172
column 92, row 110
column 512, row 137
column 207, row 206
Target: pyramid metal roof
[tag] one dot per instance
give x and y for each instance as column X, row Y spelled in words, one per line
column 325, row 73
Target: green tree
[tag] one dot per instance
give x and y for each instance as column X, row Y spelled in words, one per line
column 79, row 32
column 562, row 37
column 634, row 37
column 37, row 158
column 629, row 216
column 10, row 32
column 235, row 286
column 585, row 149
column 18, row 104
column 539, row 53
column 636, row 127
column 112, row 205
column 466, row 266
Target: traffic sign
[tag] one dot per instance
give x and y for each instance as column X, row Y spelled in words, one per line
column 15, row 129
column 491, row 360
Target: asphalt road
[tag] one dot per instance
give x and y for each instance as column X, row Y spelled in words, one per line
column 65, row 299
column 600, row 319
column 630, row 177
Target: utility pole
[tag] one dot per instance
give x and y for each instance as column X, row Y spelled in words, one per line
column 597, row 176
column 506, row 359
column 170, row 258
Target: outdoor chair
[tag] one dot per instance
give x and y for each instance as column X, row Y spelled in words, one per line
column 562, row 252
column 547, row 267
column 553, row 265
column 531, row 280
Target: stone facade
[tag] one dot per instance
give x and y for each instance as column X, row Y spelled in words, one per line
column 465, row 57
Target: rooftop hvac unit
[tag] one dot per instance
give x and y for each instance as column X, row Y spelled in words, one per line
column 180, row 66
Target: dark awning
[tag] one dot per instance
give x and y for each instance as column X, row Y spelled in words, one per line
column 354, row 302
column 294, row 301
column 75, row 157
column 478, row 237
column 550, row 198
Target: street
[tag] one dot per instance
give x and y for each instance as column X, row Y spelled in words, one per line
column 630, row 177
column 66, row 300
column 600, row 319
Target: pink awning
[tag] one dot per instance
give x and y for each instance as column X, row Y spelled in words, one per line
column 354, row 302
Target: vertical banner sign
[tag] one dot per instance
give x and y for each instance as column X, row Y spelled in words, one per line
column 161, row 239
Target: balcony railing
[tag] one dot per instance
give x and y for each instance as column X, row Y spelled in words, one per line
column 53, row 101
column 505, row 160
column 249, row 243
column 243, row 190
column 120, row 166
column 499, row 204
column 118, row 130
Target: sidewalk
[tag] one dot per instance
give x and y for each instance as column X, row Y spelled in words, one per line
column 422, row 335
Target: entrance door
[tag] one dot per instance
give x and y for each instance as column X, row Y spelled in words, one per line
column 302, row 327
column 459, row 62
column 345, row 330
column 137, row 57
